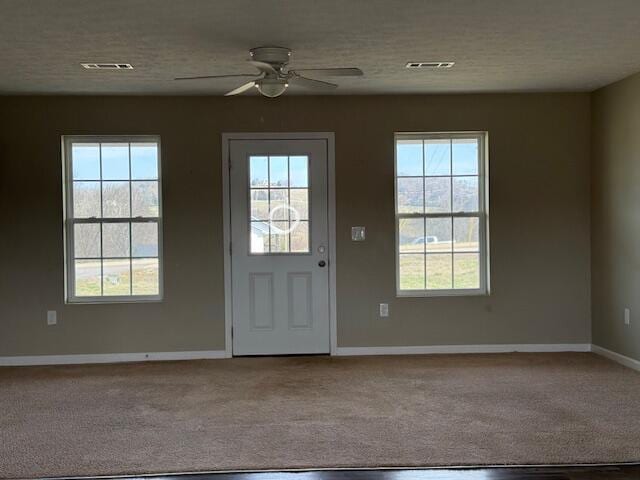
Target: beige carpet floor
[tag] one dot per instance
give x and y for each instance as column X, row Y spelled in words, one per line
column 298, row 412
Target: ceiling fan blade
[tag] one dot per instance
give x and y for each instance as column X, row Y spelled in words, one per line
column 239, row 75
column 311, row 83
column 240, row 89
column 263, row 67
column 332, row 72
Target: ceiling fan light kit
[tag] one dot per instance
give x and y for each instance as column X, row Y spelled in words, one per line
column 274, row 76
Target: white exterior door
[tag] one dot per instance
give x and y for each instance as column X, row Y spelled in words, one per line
column 279, row 246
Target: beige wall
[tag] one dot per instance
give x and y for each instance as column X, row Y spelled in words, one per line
column 539, row 174
column 616, row 216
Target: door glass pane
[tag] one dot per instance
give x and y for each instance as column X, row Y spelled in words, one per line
column 279, row 237
column 260, row 237
column 411, row 234
column 300, row 237
column 298, row 171
column 87, row 278
column 86, row 240
column 279, row 171
column 299, row 203
column 115, row 277
column 439, row 271
column 259, row 204
column 278, row 204
column 258, row 171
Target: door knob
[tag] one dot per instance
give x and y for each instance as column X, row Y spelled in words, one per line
column 322, row 263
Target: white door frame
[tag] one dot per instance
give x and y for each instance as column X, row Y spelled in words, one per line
column 329, row 137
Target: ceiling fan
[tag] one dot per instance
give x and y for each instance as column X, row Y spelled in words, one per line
column 274, row 76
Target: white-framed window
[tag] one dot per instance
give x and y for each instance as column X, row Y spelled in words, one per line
column 441, row 214
column 113, row 218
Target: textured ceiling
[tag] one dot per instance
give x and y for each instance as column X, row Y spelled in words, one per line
column 498, row 45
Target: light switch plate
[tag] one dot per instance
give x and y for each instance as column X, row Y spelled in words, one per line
column 357, row 234
column 384, row 309
column 52, row 317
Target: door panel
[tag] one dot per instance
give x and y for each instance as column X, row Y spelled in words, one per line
column 280, row 251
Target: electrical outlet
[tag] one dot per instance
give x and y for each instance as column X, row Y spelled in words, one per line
column 627, row 316
column 52, row 317
column 384, row 309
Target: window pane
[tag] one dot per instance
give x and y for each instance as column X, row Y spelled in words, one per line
column 144, row 161
column 259, row 204
column 300, row 237
column 115, row 199
column 409, row 158
column 87, row 277
column 86, row 239
column 439, row 271
column 438, row 194
column 259, row 171
column 115, row 161
column 85, row 158
column 410, row 195
column 438, row 234
column 465, row 156
column 144, row 239
column 146, row 276
column 115, row 277
column 298, row 171
column 466, row 234
column 279, row 237
column 411, row 234
column 465, row 194
column 86, row 199
column 278, row 171
column 466, row 270
column 115, row 239
column 259, row 237
column 278, row 204
column 144, row 196
column 437, row 155
column 299, row 203
column 411, row 271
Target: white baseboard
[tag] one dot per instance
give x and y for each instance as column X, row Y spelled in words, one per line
column 489, row 348
column 109, row 358
column 616, row 357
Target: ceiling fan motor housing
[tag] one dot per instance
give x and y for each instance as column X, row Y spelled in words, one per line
column 277, row 56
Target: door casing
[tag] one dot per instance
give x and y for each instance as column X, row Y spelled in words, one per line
column 329, row 137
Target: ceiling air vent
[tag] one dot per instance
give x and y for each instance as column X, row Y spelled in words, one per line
column 430, row 64
column 107, row 66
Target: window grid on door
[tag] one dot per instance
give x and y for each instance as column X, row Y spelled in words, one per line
column 441, row 214
column 113, row 219
column 279, row 204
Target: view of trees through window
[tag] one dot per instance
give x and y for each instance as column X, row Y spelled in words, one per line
column 113, row 218
column 439, row 215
